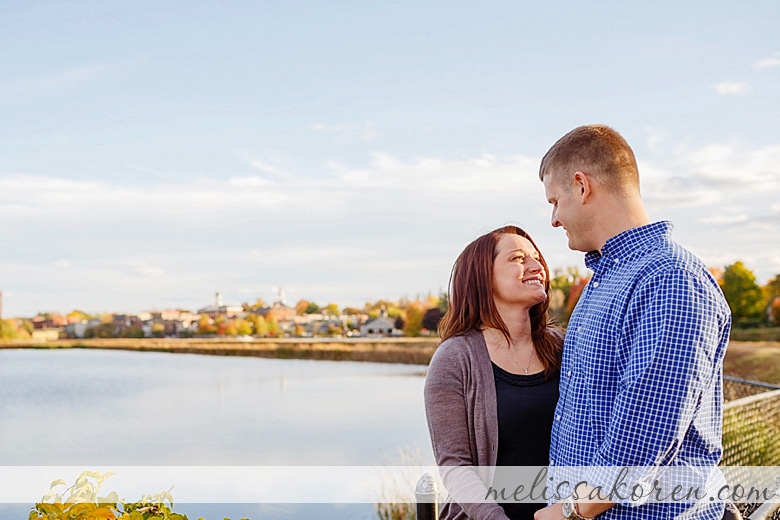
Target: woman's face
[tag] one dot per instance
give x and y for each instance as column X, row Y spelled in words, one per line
column 518, row 274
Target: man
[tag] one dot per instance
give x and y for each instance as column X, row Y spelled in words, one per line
column 641, row 379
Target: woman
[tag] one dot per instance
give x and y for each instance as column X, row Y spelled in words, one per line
column 492, row 384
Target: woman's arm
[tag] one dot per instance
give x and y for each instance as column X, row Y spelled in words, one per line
column 451, row 427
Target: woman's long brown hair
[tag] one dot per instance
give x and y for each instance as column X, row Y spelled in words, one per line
column 471, row 304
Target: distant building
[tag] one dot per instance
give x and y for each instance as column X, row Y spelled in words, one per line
column 278, row 311
column 48, row 321
column 48, row 334
column 382, row 326
column 220, row 309
column 77, row 329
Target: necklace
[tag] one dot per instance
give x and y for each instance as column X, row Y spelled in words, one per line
column 498, row 337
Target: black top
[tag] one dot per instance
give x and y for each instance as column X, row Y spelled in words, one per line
column 526, row 406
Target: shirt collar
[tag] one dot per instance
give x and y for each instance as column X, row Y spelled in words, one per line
column 630, row 241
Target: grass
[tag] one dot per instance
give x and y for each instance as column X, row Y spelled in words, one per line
column 758, row 334
column 756, row 361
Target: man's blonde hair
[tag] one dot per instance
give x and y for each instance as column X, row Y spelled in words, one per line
column 596, row 150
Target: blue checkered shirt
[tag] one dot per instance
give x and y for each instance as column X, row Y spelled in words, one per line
column 641, row 377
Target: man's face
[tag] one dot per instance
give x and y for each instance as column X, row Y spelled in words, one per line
column 567, row 211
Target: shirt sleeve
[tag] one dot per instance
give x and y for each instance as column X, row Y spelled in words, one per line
column 446, row 409
column 669, row 351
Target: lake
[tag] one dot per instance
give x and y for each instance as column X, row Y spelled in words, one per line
column 89, row 408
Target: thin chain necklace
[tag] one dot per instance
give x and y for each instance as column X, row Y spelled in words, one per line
column 509, row 344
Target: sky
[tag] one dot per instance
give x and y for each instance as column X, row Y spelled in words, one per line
column 154, row 153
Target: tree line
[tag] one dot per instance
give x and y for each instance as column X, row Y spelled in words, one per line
column 752, row 305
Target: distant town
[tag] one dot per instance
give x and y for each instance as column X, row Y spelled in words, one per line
column 752, row 306
column 305, row 319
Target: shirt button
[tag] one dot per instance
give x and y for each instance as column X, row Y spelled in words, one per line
column 558, row 417
column 617, row 260
column 568, row 373
column 595, row 284
column 552, row 463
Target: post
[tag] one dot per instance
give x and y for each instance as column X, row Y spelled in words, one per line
column 426, row 494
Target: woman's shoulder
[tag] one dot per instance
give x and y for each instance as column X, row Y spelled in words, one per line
column 456, row 357
column 461, row 341
column 459, row 347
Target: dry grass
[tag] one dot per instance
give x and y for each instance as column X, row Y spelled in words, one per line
column 756, row 361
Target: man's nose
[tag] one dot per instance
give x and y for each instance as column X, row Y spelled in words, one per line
column 554, row 220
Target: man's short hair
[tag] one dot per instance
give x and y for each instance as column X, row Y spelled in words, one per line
column 596, row 150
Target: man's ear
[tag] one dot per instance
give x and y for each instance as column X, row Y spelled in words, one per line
column 583, row 185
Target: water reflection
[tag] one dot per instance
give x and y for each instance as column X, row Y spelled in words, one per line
column 91, row 407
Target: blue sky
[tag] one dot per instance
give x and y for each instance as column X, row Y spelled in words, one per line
column 154, row 153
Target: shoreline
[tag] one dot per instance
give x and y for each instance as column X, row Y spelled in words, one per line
column 416, row 351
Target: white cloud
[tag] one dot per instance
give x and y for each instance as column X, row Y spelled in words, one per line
column 384, row 229
column 722, row 198
column 730, row 217
column 479, row 175
column 248, row 182
column 266, row 167
column 730, row 88
column 767, row 63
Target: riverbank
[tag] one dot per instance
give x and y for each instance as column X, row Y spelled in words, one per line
column 380, row 350
column 758, row 361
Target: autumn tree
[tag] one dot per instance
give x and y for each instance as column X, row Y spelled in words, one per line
column 301, row 306
column 104, row 330
column 566, row 285
column 413, row 322
column 259, row 324
column 431, row 318
column 772, row 298
column 221, row 324
column 7, row 329
column 77, row 316
column 562, row 281
column 392, row 309
column 273, row 327
column 313, row 308
column 158, row 330
column 243, row 327
column 444, row 303
column 743, row 295
column 206, row 326
column 331, row 309
column 133, row 331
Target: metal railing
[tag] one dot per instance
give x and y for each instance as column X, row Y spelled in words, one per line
column 751, row 431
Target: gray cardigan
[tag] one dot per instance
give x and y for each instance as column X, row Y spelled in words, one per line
column 460, row 405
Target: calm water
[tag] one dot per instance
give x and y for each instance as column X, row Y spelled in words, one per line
column 90, row 407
